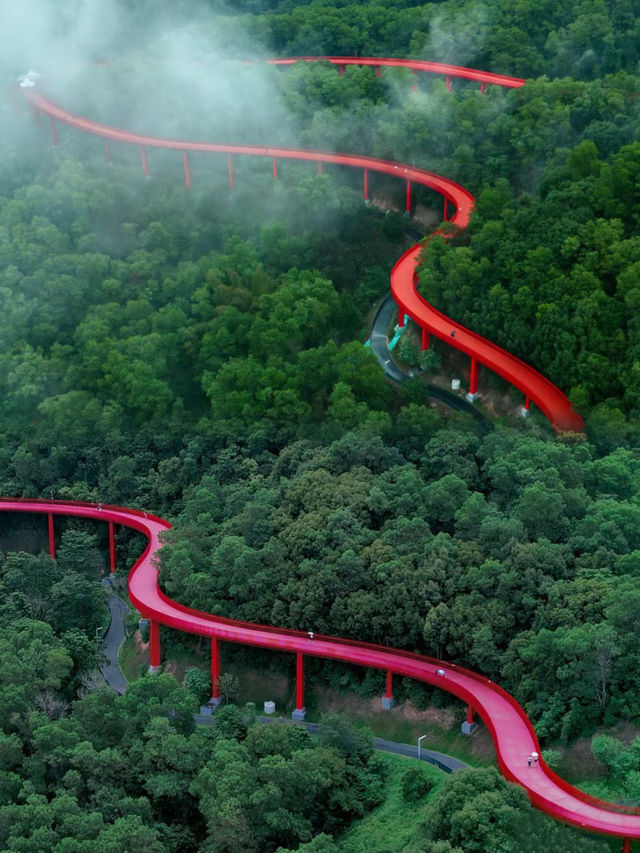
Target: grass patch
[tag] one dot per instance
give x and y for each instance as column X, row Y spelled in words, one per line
column 405, row 725
column 133, row 657
column 392, row 823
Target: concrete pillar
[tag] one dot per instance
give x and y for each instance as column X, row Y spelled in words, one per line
column 154, row 646
column 112, row 548
column 230, row 172
column 425, row 339
column 473, row 381
column 187, row 171
column 387, row 700
column 52, row 538
column 299, row 712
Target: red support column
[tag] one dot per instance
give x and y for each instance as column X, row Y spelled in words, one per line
column 414, row 85
column 626, row 845
column 527, row 403
column 299, row 680
column 408, row 208
column 230, row 172
column 444, row 217
column 143, row 156
column 377, row 71
column 401, row 317
column 107, row 153
column 112, row 547
column 425, row 339
column 319, row 168
column 447, row 82
column 54, row 131
column 187, row 171
column 275, row 169
column 215, row 667
column 473, row 381
column 469, row 726
column 366, row 185
column 154, row 645
column 483, row 87
column 52, row 538
column 387, row 699
column 298, row 714
column 341, row 70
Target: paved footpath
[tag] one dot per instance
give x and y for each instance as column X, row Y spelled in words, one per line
column 438, row 759
column 112, row 640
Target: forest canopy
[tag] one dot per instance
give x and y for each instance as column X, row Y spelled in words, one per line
column 199, row 354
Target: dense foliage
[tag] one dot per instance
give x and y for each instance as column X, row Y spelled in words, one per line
column 125, row 773
column 512, row 555
column 200, row 356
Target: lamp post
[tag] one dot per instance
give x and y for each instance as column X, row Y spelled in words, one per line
column 420, row 739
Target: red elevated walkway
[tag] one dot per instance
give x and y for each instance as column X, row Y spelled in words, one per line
column 552, row 402
column 512, row 733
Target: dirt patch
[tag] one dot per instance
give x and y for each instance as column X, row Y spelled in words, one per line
column 177, row 668
column 259, row 686
column 444, row 718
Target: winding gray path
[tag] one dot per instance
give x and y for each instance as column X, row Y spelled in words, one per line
column 380, row 348
column 112, row 640
column 443, row 762
column 380, row 341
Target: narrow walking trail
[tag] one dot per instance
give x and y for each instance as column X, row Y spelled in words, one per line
column 112, row 640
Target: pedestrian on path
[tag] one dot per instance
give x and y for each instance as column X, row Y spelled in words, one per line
column 530, row 760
